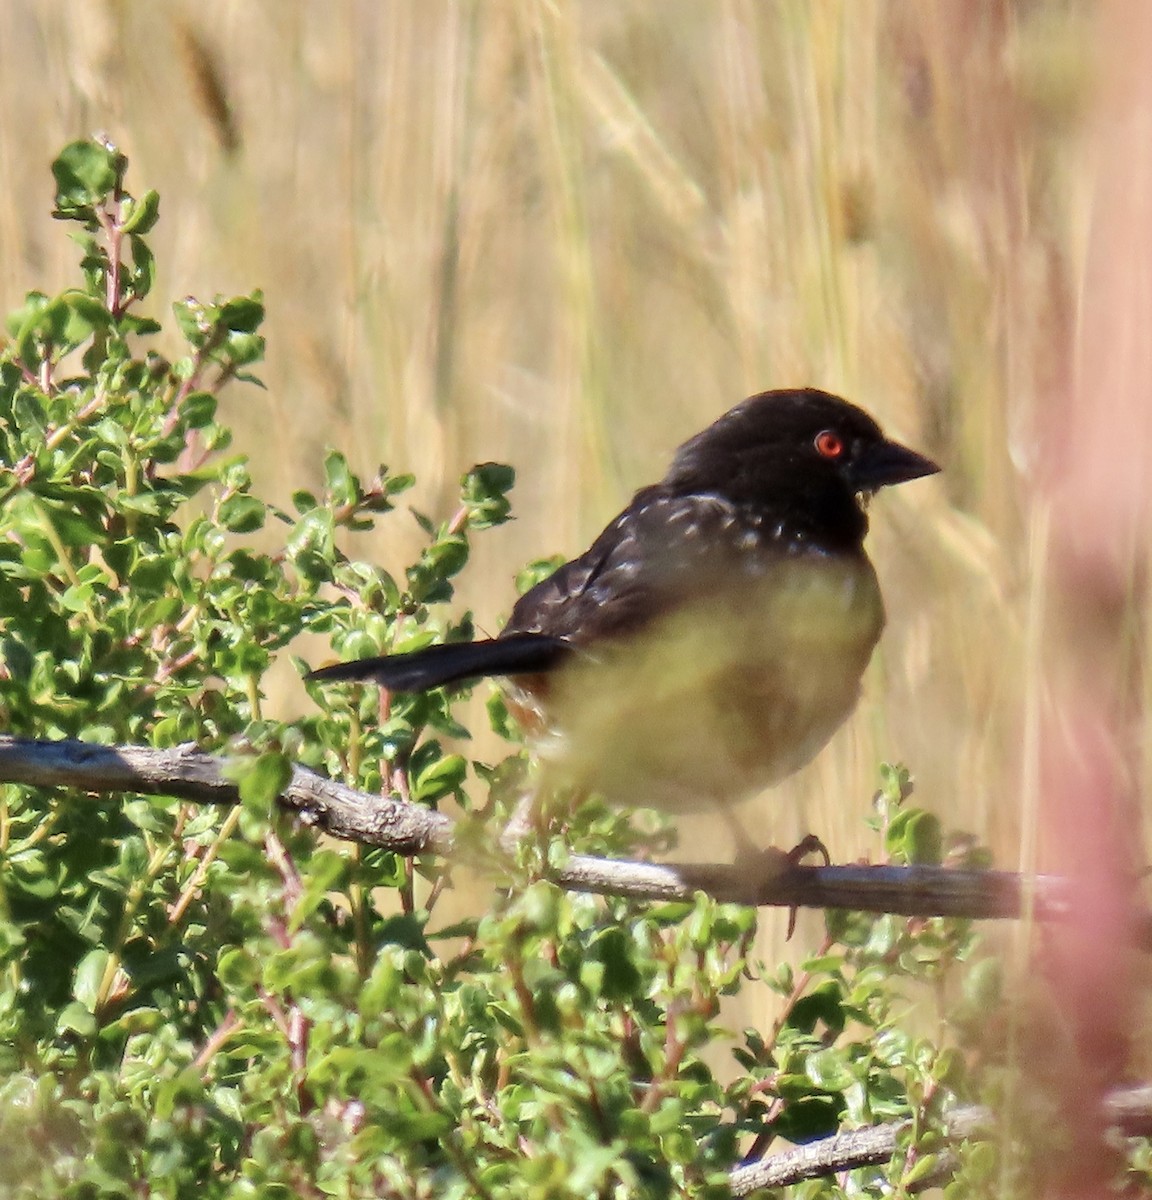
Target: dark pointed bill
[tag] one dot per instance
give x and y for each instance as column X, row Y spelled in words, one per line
column 887, row 463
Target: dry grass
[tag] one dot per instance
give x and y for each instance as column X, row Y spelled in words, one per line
column 566, row 235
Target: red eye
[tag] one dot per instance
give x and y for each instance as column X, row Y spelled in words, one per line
column 829, row 444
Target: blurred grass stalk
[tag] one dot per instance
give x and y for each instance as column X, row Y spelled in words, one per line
column 1089, row 689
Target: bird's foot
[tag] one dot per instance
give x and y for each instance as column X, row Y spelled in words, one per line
column 770, row 864
column 808, row 844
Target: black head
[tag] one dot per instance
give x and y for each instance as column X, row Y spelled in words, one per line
column 803, row 456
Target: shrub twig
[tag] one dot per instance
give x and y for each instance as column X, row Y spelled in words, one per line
column 1127, row 1112
column 394, row 824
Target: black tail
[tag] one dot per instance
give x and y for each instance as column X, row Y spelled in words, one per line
column 434, row 666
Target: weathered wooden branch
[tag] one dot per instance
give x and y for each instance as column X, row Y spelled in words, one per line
column 869, row 1146
column 355, row 816
column 1128, row 1113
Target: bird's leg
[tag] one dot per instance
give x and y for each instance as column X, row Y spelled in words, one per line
column 537, row 815
column 523, row 822
column 746, row 849
column 771, row 862
column 530, row 817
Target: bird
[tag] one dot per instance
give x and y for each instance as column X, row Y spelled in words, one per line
column 713, row 637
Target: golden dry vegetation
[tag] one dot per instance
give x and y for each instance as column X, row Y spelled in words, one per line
column 567, row 235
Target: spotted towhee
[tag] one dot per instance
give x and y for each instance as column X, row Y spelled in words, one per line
column 712, row 638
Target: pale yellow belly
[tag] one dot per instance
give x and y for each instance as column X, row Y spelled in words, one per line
column 721, row 698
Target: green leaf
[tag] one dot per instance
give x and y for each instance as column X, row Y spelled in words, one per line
column 327, row 871
column 143, row 272
column 829, row 1070
column 140, row 216
column 85, row 173
column 895, row 783
column 184, row 1088
column 237, row 969
column 88, row 977
column 394, row 484
column 441, row 778
column 243, row 513
column 243, row 314
column 242, row 349
column 198, row 409
column 195, row 320
column 31, row 873
column 70, row 320
column 916, row 837
column 925, row 1166
column 621, row 979
column 529, row 576
column 343, row 487
column 24, row 317
column 485, row 492
column 261, row 779
column 428, row 579
column 76, row 1018
column 150, row 967
column 823, row 1004
column 134, row 323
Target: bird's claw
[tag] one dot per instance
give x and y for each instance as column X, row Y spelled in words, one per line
column 771, row 863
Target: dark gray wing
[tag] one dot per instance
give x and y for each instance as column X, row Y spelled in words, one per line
column 661, row 551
